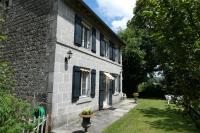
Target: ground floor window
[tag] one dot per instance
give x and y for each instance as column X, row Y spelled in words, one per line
column 85, row 84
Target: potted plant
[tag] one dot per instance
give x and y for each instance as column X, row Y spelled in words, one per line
column 136, row 95
column 86, row 115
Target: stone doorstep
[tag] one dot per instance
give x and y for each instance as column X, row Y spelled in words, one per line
column 101, row 120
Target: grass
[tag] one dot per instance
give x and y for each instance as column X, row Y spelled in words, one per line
column 153, row 116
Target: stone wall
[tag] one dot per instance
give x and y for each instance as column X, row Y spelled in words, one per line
column 30, row 45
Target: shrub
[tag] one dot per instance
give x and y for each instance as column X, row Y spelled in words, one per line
column 150, row 90
column 14, row 112
column 87, row 112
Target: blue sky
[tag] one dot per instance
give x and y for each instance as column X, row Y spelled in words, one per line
column 115, row 13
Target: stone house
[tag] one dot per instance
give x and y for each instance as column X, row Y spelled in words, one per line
column 63, row 54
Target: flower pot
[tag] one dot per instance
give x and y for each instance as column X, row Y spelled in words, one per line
column 135, row 95
column 86, row 121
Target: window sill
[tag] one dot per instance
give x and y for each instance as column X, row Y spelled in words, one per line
column 84, row 100
column 116, row 93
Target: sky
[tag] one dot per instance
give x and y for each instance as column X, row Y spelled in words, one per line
column 115, row 13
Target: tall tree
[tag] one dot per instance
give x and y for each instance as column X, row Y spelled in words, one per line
column 138, row 58
column 133, row 62
column 174, row 28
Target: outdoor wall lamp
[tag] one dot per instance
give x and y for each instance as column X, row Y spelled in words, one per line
column 69, row 56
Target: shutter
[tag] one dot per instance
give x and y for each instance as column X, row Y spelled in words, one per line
column 119, row 56
column 119, row 83
column 110, row 51
column 76, row 86
column 93, row 82
column 113, row 86
column 102, row 45
column 93, row 40
column 101, row 89
column 110, row 92
column 102, row 79
column 113, row 53
column 78, row 31
column 116, row 54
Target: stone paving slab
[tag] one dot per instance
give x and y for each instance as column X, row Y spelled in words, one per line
column 101, row 120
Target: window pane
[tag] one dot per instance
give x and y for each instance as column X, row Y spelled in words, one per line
column 88, row 84
column 116, row 54
column 116, row 84
column 83, row 31
column 107, row 49
column 83, row 84
column 88, row 38
column 85, row 91
column 85, row 37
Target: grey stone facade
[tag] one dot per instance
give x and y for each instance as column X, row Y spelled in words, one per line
column 64, row 110
column 40, row 33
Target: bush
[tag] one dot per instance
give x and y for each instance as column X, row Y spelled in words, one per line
column 87, row 112
column 150, row 90
column 14, row 112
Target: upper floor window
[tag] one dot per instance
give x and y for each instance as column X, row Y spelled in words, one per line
column 107, row 45
column 104, row 47
column 109, row 50
column 84, row 35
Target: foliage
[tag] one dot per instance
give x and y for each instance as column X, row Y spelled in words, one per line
column 138, row 58
column 153, row 116
column 87, row 112
column 14, row 112
column 133, row 62
column 151, row 90
column 6, row 84
column 174, row 28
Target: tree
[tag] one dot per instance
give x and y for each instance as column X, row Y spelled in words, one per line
column 174, row 28
column 133, row 62
column 138, row 58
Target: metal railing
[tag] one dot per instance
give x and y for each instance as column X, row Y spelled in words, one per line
column 41, row 125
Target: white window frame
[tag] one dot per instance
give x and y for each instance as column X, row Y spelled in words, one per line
column 88, row 84
column 107, row 44
column 89, row 35
column 117, row 80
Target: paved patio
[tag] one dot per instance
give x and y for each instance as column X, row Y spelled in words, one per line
column 101, row 120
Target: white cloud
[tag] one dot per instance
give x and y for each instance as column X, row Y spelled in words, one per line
column 119, row 11
column 120, row 24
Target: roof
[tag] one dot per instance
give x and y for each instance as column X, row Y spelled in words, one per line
column 81, row 7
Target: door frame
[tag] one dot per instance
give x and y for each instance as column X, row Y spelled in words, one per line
column 107, row 88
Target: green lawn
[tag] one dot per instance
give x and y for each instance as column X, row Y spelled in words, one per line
column 153, row 116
